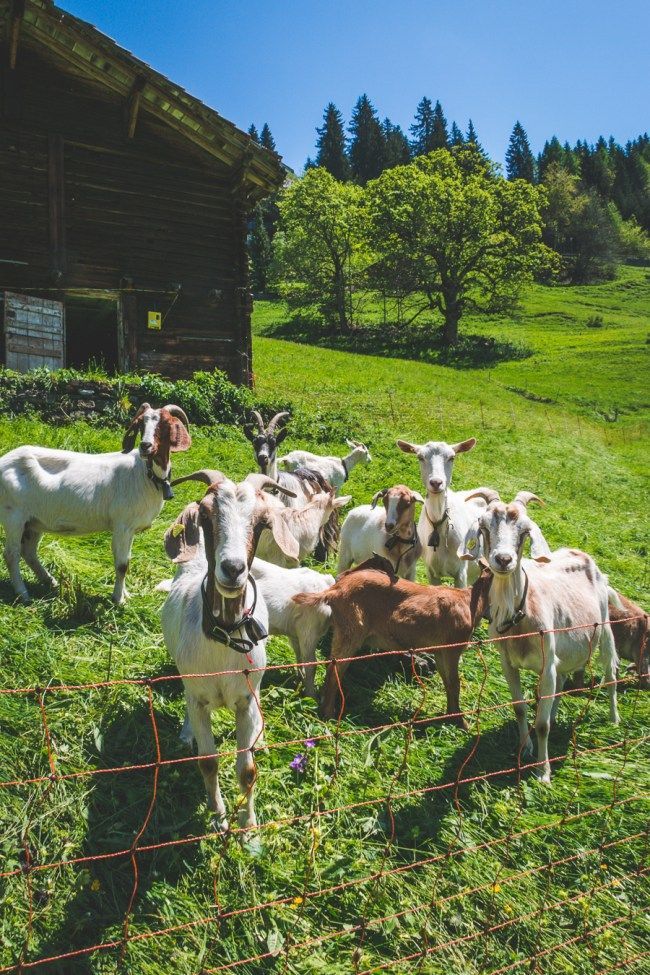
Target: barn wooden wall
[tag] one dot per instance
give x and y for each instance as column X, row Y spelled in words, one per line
column 150, row 210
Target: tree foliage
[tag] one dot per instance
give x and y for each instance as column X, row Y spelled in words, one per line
column 520, row 162
column 330, row 146
column 464, row 236
column 320, row 254
column 366, row 151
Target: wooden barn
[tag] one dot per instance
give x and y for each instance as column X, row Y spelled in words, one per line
column 123, row 208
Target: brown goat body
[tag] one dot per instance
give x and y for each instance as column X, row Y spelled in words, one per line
column 631, row 629
column 372, row 607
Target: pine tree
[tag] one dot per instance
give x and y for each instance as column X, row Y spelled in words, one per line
column 422, row 128
column 331, row 153
column 455, row 136
column 266, row 139
column 520, row 162
column 472, row 136
column 367, row 147
column 396, row 146
column 253, row 133
column 439, row 134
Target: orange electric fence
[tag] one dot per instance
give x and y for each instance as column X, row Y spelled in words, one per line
column 355, row 933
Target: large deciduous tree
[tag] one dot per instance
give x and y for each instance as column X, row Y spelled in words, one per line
column 320, row 250
column 466, row 237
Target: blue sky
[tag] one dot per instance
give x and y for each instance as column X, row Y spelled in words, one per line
column 569, row 67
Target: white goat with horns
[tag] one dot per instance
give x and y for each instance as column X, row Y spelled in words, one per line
column 215, row 621
column 68, row 493
column 559, row 599
column 446, row 515
column 336, row 470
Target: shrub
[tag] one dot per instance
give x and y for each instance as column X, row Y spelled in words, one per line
column 595, row 321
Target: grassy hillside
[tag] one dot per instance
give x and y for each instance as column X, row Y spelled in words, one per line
column 585, row 453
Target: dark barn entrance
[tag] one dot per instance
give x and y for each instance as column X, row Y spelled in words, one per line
column 91, row 326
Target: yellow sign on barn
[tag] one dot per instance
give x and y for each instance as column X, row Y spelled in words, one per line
column 154, row 320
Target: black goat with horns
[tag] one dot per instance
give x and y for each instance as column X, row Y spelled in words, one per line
column 303, row 482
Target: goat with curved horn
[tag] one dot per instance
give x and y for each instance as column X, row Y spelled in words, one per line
column 488, row 494
column 261, row 482
column 206, row 475
column 258, row 419
column 178, row 412
column 525, row 497
column 275, row 420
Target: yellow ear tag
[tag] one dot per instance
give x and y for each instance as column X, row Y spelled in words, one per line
column 177, row 529
column 471, row 544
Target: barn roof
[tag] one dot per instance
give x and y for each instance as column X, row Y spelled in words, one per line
column 88, row 52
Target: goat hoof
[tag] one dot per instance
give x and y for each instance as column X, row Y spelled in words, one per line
column 24, row 598
column 219, row 824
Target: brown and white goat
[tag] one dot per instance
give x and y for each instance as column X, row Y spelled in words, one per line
column 63, row 492
column 560, row 598
column 389, row 531
column 372, row 607
column 215, row 621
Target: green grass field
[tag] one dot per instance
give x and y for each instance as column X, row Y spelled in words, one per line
column 575, row 433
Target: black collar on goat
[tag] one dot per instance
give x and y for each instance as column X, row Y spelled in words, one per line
column 246, row 509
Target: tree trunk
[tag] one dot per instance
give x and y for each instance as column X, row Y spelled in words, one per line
column 452, row 318
column 340, row 298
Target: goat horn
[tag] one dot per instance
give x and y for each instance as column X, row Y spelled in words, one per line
column 525, row 497
column 177, row 411
column 258, row 420
column 206, row 475
column 488, row 494
column 261, row 481
column 276, row 419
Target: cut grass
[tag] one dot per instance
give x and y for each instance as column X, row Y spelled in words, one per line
column 591, row 472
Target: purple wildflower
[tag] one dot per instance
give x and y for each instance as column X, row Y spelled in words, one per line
column 299, row 763
column 310, row 743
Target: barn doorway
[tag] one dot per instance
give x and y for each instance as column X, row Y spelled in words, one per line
column 91, row 326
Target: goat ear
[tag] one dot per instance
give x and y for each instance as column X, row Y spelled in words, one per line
column 128, row 441
column 342, row 501
column 182, row 539
column 377, row 498
column 539, row 547
column 470, row 548
column 408, row 448
column 281, row 434
column 464, row 446
column 180, row 439
column 417, row 497
column 249, row 433
column 283, row 537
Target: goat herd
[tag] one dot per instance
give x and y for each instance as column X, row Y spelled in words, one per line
column 553, row 607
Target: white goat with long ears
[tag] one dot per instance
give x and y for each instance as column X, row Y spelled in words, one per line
column 336, row 470
column 63, row 492
column 536, row 596
column 306, row 525
column 446, row 516
column 388, row 530
column 215, row 621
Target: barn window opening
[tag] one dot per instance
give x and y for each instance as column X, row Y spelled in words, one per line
column 91, row 333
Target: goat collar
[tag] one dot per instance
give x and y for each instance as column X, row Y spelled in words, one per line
column 396, row 539
column 345, row 469
column 160, row 482
column 518, row 614
column 434, row 537
column 216, row 629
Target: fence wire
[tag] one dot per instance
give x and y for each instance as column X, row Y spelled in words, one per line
column 370, row 888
